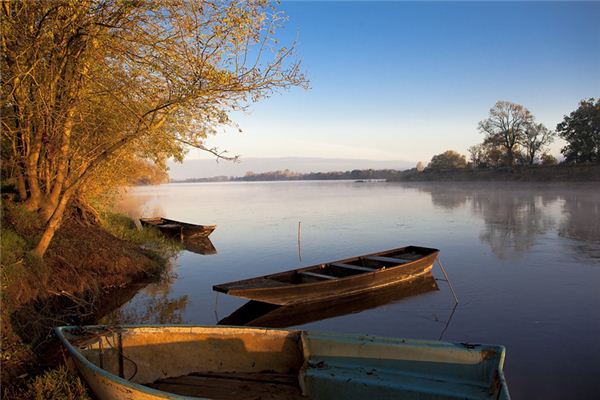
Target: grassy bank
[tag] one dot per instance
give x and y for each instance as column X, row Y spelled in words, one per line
column 84, row 265
column 555, row 173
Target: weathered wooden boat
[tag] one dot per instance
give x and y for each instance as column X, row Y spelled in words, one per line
column 335, row 279
column 187, row 362
column 256, row 313
column 178, row 228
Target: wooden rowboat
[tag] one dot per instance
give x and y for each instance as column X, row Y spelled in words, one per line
column 335, row 279
column 187, row 362
column 177, row 228
column 256, row 313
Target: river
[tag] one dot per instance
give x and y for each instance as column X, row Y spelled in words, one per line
column 524, row 260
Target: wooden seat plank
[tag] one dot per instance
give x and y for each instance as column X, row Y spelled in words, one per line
column 354, row 267
column 395, row 260
column 316, row 275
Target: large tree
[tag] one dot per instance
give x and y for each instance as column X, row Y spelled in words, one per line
column 485, row 155
column 449, row 159
column 506, row 126
column 90, row 85
column 581, row 130
column 535, row 140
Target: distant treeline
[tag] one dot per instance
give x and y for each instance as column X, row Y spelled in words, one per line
column 542, row 173
column 538, row 173
column 287, row 175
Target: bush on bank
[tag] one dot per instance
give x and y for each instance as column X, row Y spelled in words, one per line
column 81, row 268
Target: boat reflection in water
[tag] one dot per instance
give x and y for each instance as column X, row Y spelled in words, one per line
column 199, row 245
column 256, row 313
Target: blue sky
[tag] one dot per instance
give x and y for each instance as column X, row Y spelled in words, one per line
column 404, row 80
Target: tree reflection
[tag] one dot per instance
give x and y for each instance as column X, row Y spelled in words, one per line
column 445, row 195
column 514, row 214
column 450, row 198
column 152, row 305
column 581, row 223
column 513, row 220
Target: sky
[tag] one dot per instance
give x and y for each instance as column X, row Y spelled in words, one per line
column 408, row 80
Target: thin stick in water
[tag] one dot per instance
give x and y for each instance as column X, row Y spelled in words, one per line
column 448, row 322
column 216, row 310
column 299, row 253
column 447, row 279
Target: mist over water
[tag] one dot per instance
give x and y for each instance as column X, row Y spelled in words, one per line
column 524, row 260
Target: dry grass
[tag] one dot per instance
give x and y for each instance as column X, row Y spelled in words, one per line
column 82, row 265
column 54, row 384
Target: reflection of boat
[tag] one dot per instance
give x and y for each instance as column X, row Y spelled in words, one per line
column 256, row 313
column 200, row 245
column 164, row 362
column 335, row 279
column 177, row 228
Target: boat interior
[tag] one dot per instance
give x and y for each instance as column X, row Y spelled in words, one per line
column 249, row 363
column 353, row 266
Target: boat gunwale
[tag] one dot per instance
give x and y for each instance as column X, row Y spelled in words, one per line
column 433, row 254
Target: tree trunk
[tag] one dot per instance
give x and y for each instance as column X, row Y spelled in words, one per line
column 52, row 226
column 510, row 157
column 21, row 188
column 63, row 164
column 31, row 170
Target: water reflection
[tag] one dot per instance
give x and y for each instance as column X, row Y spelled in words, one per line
column 516, row 215
column 201, row 245
column 153, row 305
column 256, row 313
column 581, row 222
column 512, row 220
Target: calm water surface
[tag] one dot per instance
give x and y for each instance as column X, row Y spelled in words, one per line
column 524, row 260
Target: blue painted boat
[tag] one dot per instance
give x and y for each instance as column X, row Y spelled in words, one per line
column 190, row 362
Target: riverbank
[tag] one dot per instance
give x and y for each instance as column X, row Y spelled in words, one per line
column 555, row 173
column 85, row 265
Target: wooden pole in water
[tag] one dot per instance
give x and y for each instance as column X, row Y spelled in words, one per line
column 448, row 321
column 447, row 279
column 216, row 310
column 299, row 254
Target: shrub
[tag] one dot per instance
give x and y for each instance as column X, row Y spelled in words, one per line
column 124, row 228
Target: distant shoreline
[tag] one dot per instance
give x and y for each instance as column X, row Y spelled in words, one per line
column 557, row 173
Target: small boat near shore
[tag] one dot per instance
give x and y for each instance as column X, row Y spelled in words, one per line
column 337, row 278
column 179, row 229
column 234, row 363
